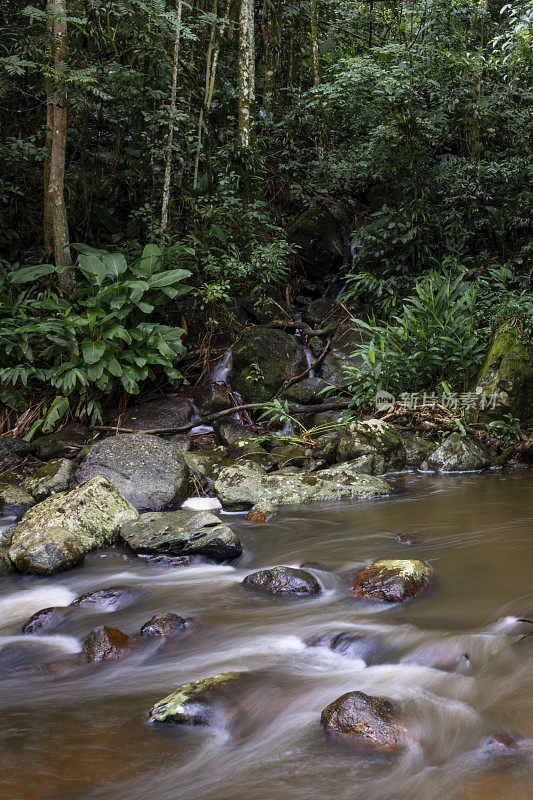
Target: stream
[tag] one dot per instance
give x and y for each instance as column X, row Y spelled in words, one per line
column 86, row 736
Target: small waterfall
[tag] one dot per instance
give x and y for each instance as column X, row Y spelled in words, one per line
column 220, row 370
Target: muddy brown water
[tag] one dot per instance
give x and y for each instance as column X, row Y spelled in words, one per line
column 86, row 736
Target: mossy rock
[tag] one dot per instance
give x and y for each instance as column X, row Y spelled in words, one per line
column 323, row 240
column 182, row 532
column 51, row 478
column 57, row 533
column 5, row 562
column 392, row 580
column 507, row 374
column 203, row 702
column 241, row 487
column 263, row 360
column 458, row 454
column 305, row 391
column 14, row 500
column 375, row 446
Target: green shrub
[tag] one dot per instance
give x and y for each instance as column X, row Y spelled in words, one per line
column 109, row 333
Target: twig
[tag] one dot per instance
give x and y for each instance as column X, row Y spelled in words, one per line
column 295, row 409
column 311, row 366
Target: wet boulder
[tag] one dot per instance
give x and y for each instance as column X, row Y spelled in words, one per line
column 352, row 645
column 230, row 432
column 51, row 478
column 60, row 442
column 417, row 449
column 56, row 534
column 211, row 701
column 14, row 500
column 392, row 581
column 447, row 657
column 172, row 562
column 282, row 581
column 242, row 486
column 305, row 391
column 505, row 381
column 47, row 619
column 12, row 452
column 183, row 532
column 169, row 625
column 322, row 236
column 458, row 454
column 261, row 513
column 149, row 472
column 507, row 749
column 263, row 360
column 367, row 723
column 343, row 361
column 112, row 598
column 105, row 644
column 166, row 411
column 373, row 446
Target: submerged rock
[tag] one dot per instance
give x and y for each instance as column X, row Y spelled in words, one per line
column 105, row 644
column 446, row 657
column 172, row 562
column 211, row 701
column 183, row 532
column 366, row 722
column 351, row 645
column 57, row 533
column 243, row 486
column 283, row 581
column 392, row 581
column 458, row 454
column 507, row 749
column 112, row 598
column 47, row 619
column 374, row 446
column 169, row 624
column 51, row 478
column 149, row 472
column 261, row 513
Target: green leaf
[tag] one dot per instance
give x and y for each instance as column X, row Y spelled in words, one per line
column 92, row 351
column 58, row 409
column 115, row 264
column 150, row 257
column 27, row 274
column 168, row 278
column 92, row 267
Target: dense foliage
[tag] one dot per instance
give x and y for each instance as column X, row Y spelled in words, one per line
column 414, row 118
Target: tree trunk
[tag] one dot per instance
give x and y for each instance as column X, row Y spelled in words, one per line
column 57, row 141
column 314, row 40
column 271, row 43
column 246, row 75
column 173, row 94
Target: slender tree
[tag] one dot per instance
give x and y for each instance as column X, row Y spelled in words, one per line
column 246, row 75
column 314, row 40
column 170, row 142
column 56, row 140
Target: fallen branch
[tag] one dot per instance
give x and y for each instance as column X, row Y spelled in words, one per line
column 294, row 409
column 301, row 327
column 311, row 366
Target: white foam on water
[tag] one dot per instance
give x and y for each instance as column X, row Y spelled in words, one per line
column 202, row 504
column 24, row 602
column 66, row 644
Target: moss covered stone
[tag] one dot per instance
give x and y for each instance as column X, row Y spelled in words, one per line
column 263, row 360
column 5, row 562
column 57, row 533
column 202, row 702
column 366, row 722
column 56, row 476
column 375, row 446
column 14, row 500
column 458, row 454
column 392, row 580
column 508, row 374
column 241, row 487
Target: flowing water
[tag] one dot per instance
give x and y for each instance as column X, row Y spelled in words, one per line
column 86, row 735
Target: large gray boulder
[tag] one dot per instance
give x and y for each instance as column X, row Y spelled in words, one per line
column 149, row 472
column 458, row 454
column 166, row 411
column 263, row 359
column 367, row 723
column 182, row 532
column 57, row 533
column 375, row 446
column 245, row 485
